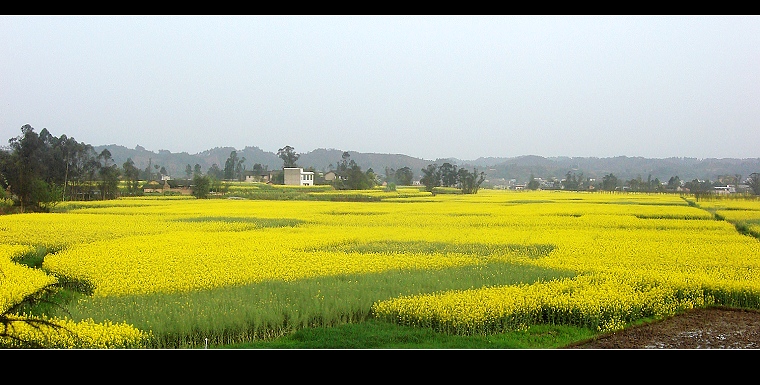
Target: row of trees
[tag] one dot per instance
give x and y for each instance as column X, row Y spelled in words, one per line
column 449, row 175
column 42, row 169
column 610, row 182
column 349, row 175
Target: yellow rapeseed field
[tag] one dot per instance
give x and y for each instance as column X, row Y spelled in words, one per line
column 635, row 255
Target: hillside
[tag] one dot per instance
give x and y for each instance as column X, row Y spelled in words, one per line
column 497, row 169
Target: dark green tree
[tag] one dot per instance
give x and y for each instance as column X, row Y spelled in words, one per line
column 674, row 183
column 350, row 175
column 288, row 156
column 233, row 167
column 609, row 182
column 41, row 170
column 470, row 181
column 25, row 170
column 449, row 176
column 201, row 186
column 431, row 177
column 533, row 184
column 131, row 176
column 404, row 176
column 109, row 176
column 572, row 181
column 215, row 172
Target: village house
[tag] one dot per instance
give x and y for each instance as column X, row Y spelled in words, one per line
column 296, row 176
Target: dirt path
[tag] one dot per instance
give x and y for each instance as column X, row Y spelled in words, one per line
column 714, row 328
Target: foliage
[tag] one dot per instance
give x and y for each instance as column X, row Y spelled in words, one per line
column 754, row 182
column 201, row 186
column 470, row 181
column 233, row 167
column 609, row 182
column 431, row 177
column 131, row 175
column 349, row 175
column 404, row 176
column 289, row 156
column 42, row 169
column 447, row 175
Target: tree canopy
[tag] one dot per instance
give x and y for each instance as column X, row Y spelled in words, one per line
column 289, row 156
column 41, row 170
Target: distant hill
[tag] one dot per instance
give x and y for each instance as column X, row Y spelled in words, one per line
column 497, row 169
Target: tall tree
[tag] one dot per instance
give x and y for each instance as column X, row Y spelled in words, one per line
column 109, row 176
column 288, row 156
column 215, row 172
column 754, row 182
column 609, row 182
column 132, row 176
column 24, row 169
column 229, row 166
column 470, row 181
column 404, row 176
column 449, row 177
column 201, row 186
column 431, row 177
column 350, row 175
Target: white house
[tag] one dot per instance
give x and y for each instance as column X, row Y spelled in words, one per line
column 296, row 176
column 727, row 189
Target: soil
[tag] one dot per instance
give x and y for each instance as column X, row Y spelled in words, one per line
column 711, row 328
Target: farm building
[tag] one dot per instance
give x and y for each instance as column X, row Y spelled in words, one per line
column 296, row 176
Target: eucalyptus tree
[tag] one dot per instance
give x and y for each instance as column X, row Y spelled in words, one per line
column 470, row 181
column 131, row 175
column 404, row 176
column 289, row 156
column 449, row 176
column 431, row 177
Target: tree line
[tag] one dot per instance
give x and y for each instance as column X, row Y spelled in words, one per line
column 449, row 175
column 349, row 175
column 576, row 182
column 40, row 170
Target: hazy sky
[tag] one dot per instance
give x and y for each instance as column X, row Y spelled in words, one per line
column 425, row 86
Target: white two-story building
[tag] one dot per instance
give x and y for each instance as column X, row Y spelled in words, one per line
column 296, row 176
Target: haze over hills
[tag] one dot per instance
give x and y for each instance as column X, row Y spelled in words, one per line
column 497, row 169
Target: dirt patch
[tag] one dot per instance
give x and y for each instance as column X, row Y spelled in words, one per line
column 712, row 328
